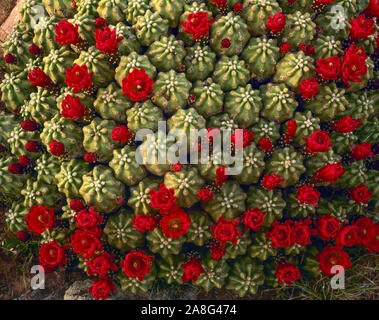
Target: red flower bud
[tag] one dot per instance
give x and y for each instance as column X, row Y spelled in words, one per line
column 100, row 22
column 9, row 58
column 284, row 48
column 29, row 125
column 76, row 205
column 34, row 50
column 23, row 235
column 24, row 161
column 225, row 43
column 32, row 146
column 90, row 157
column 56, row 148
column 238, row 7
column 15, row 168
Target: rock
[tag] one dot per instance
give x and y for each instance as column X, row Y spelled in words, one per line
column 79, row 291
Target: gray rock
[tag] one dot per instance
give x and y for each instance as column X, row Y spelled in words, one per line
column 79, row 291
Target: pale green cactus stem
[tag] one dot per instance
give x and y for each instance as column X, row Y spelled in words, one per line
column 330, row 103
column 267, row 201
column 42, row 105
column 286, row 163
column 278, row 101
column 15, row 217
column 230, row 73
column 355, row 174
column 111, row 103
column 18, row 137
column 112, row 10
column 134, row 9
column 88, row 7
column 131, row 62
column 98, row 138
column 185, row 183
column 169, row 10
column 15, row 90
column 240, row 248
column 86, row 28
column 233, row 28
column 150, row 27
column 166, row 53
column 99, row 64
column 228, row 203
column 129, row 43
column 299, row 29
column 125, row 166
column 222, row 121
column 10, row 184
column 28, row 12
column 362, row 105
column 59, row 8
column 47, row 167
column 171, row 91
column 44, row 34
column 208, row 97
column 158, row 243
column 261, row 56
column 294, row 68
column 256, row 13
column 8, row 122
column 327, row 46
column 199, row 231
column 306, row 125
column 64, row 131
column 253, row 165
column 266, row 129
column 70, row 177
column 144, row 115
column 139, row 198
column 342, row 142
column 37, row 193
column 199, row 62
column 102, row 190
column 243, row 105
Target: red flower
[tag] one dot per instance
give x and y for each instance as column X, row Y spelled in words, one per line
column 163, row 199
column 319, row 141
column 88, row 219
column 72, row 108
column 101, row 288
column 107, row 40
column 354, row 64
column 309, row 50
column 301, row 232
column 332, row 256
column 318, row 4
column 56, row 148
column 329, row 69
column 9, row 58
column 284, row 48
column 360, row 194
column 221, row 175
column 76, row 205
column 15, row 168
column 66, row 33
column 217, row 252
column 225, row 43
column 253, row 219
column 291, row 130
column 238, row 7
column 281, row 234
column 51, row 255
column 137, row 85
column 192, row 270
column 277, row 23
column 34, row 50
column 90, row 157
column 366, row 230
column 23, row 235
column 121, row 133
column 38, row 78
column 309, row 88
column 40, row 219
column 361, row 28
column 78, row 78
column 175, row 224
column 176, row 167
column 265, row 144
column 205, row 194
column 32, row 146
column 346, row 125
column 373, row 8
column 271, row 181
column 137, row 264
column 197, row 24
column 144, row 222
column 247, row 137
column 287, row 273
column 348, row 236
column 221, row 4
column 373, row 245
column 329, row 173
column 362, row 151
column 101, row 264
column 226, row 230
column 308, row 195
column 328, row 227
column 85, row 243
column 24, row 161
column 29, row 125
column 100, row 22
